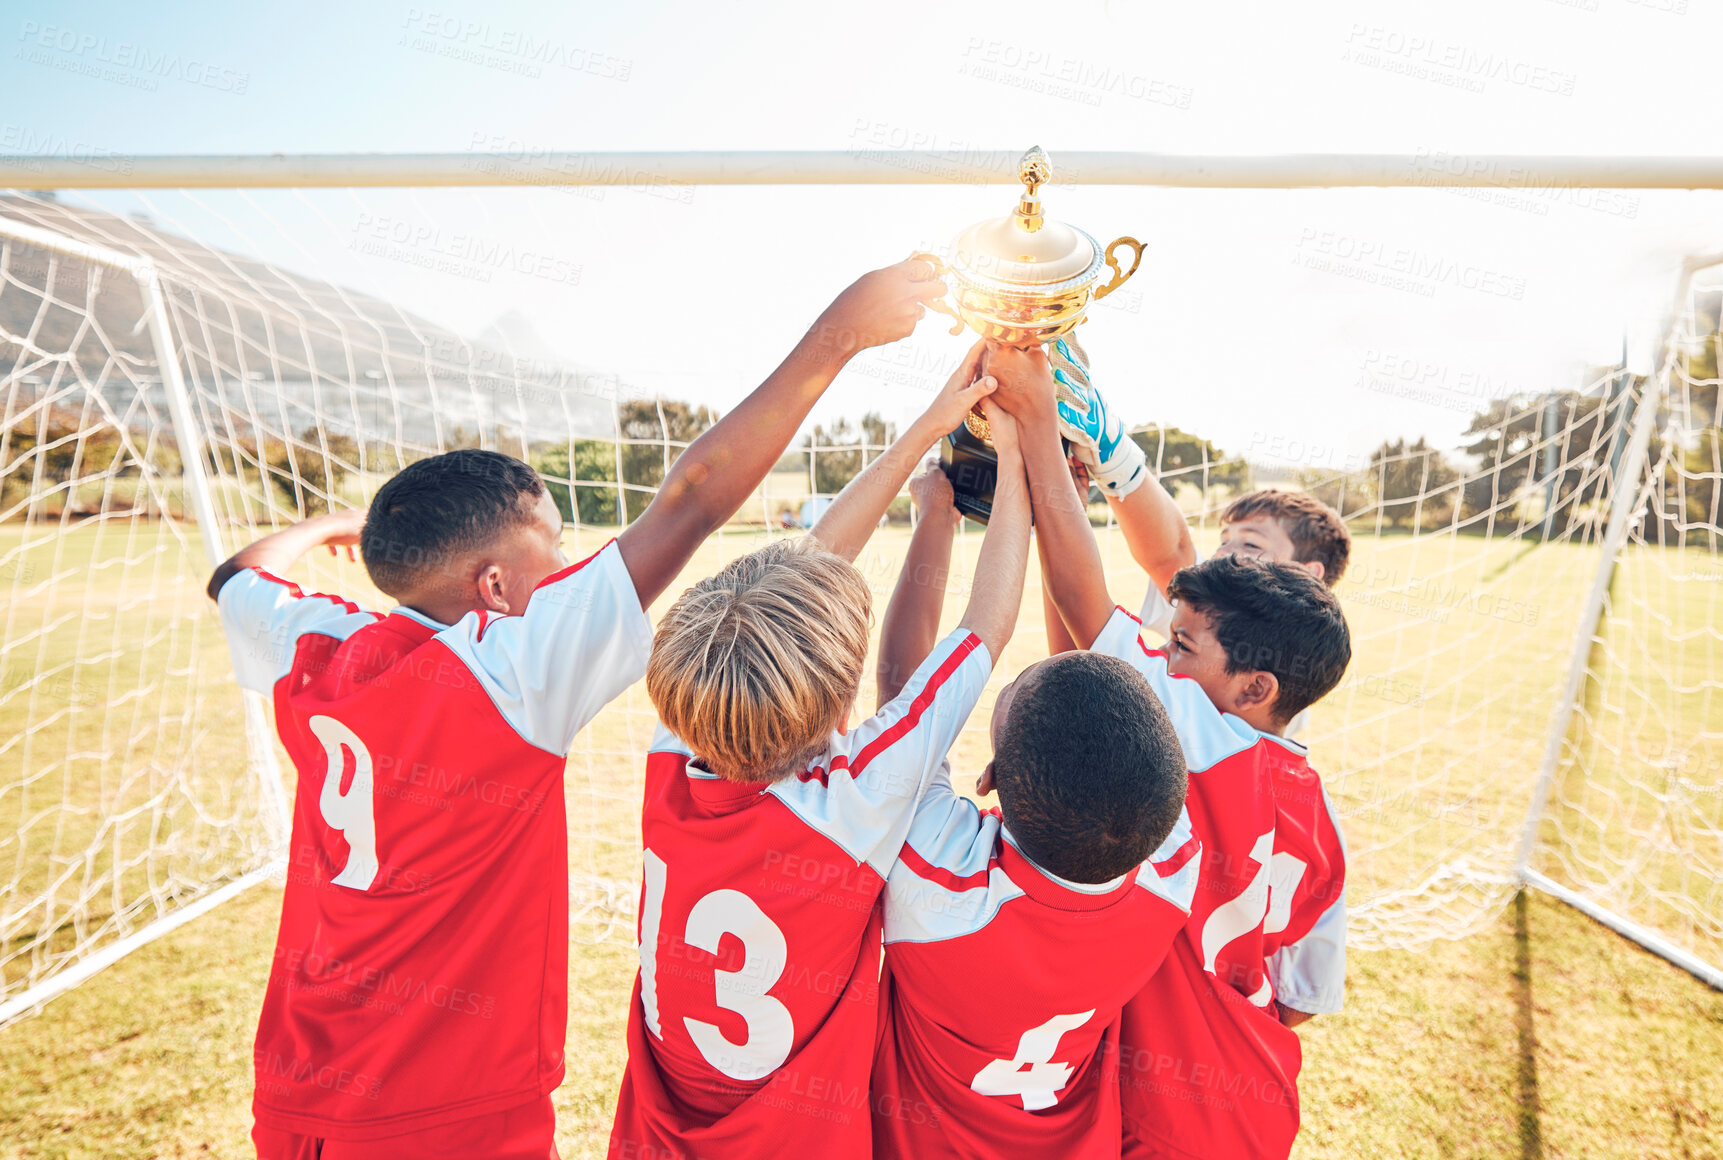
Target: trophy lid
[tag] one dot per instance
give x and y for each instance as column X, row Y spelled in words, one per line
column 1025, row 249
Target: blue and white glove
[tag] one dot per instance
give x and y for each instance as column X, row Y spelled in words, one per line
column 1097, row 436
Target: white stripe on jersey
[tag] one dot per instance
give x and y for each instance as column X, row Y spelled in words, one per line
column 862, row 791
column 947, row 886
column 263, row 617
column 1207, row 736
column 1180, row 887
column 1310, row 974
column 956, row 841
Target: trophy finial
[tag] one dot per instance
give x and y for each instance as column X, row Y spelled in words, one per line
column 1035, row 170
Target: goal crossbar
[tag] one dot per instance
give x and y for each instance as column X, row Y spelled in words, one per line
column 860, row 165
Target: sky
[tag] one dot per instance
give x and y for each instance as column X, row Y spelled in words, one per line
column 1300, row 328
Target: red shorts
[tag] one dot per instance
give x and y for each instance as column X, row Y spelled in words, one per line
column 527, row 1132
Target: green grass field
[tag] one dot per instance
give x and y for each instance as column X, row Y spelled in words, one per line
column 1539, row 1033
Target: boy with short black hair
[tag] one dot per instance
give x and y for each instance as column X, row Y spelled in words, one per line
column 769, row 827
column 1271, row 524
column 1003, row 979
column 418, row 1000
column 1229, row 634
column 1208, row 1061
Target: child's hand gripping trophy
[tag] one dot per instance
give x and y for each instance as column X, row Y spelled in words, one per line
column 1058, row 377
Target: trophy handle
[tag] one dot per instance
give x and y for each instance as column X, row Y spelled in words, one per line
column 1119, row 277
column 940, row 270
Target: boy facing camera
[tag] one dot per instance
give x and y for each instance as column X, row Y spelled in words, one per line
column 1285, row 526
column 417, row 1004
column 769, row 827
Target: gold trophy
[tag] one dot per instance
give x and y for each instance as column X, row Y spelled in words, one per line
column 1018, row 280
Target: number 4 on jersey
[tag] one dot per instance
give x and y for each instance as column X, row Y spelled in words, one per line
column 1032, row 1075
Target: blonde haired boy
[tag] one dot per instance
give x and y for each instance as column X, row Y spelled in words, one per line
column 769, row 829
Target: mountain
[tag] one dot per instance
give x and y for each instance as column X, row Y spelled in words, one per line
column 272, row 347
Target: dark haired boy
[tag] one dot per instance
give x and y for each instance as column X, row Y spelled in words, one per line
column 418, row 1001
column 1208, row 1060
column 1269, row 524
column 1003, row 979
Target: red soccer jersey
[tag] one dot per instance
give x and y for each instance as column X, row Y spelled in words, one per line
column 1206, row 1067
column 1003, row 986
column 754, row 1015
column 421, row 968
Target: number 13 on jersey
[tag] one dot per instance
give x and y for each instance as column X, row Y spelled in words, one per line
column 770, row 1033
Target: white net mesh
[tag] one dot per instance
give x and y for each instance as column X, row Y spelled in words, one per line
column 123, row 773
column 1463, row 594
column 1635, row 821
column 124, row 789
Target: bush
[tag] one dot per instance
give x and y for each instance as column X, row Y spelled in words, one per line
column 661, row 422
column 1179, row 457
column 852, row 450
column 595, row 461
column 304, row 474
column 62, row 452
column 1350, row 495
column 1414, row 483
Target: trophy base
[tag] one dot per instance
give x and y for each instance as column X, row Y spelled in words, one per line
column 973, row 468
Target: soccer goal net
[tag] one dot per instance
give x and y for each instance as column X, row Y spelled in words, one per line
column 1536, row 688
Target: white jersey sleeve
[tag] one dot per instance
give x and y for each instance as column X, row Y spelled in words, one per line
column 1206, row 734
column 263, row 617
column 945, row 883
column 861, row 791
column 582, row 640
column 1309, row 973
column 1171, row 871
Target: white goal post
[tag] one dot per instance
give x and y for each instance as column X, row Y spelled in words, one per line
column 164, row 399
column 60, row 969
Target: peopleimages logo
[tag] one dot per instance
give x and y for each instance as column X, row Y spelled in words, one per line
column 464, row 255
column 121, row 61
column 512, row 50
column 1399, row 267
column 1034, row 69
column 40, row 146
column 1429, row 58
column 1518, row 187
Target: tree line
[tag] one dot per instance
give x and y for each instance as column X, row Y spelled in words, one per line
column 1406, row 484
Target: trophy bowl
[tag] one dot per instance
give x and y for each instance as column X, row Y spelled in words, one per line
column 1025, row 278
column 1018, row 280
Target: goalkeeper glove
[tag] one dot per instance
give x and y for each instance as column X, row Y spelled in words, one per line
column 1097, row 436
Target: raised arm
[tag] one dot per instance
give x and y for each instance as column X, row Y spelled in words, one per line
column 1070, row 560
column 1058, row 636
column 278, row 552
column 1155, row 530
column 845, row 527
column 720, row 470
column 911, row 626
column 997, row 593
